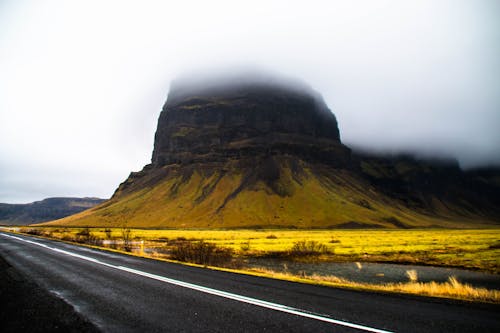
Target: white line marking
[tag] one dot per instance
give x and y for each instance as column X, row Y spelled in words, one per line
column 220, row 293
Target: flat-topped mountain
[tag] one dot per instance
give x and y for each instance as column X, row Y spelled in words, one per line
column 44, row 210
column 240, row 151
column 247, row 118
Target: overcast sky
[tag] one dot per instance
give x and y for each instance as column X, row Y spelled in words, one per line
column 82, row 83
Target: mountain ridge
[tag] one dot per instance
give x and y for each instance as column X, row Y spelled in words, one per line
column 44, row 210
column 265, row 153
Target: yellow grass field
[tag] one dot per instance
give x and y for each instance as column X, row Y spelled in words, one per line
column 472, row 248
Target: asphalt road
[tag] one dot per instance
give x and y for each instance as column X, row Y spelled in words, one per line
column 120, row 293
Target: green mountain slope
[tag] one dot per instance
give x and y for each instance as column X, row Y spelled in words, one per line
column 295, row 194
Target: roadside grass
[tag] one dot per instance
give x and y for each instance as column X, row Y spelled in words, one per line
column 475, row 249
column 449, row 289
column 472, row 249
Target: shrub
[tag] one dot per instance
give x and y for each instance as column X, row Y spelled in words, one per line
column 68, row 238
column 202, row 253
column 176, row 241
column 108, row 232
column 494, row 246
column 127, row 239
column 245, row 246
column 36, row 232
column 309, row 248
column 86, row 237
column 84, row 233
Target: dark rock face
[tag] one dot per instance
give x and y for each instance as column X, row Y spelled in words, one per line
column 241, row 119
column 421, row 183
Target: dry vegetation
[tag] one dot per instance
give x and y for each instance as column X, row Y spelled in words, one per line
column 449, row 289
column 202, row 253
column 476, row 249
column 473, row 249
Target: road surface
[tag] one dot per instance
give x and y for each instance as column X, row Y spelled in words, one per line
column 120, row 293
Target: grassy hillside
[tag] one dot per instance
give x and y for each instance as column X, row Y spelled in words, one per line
column 261, row 153
column 282, row 192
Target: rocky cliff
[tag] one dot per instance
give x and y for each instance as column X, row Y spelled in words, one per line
column 245, row 119
column 263, row 151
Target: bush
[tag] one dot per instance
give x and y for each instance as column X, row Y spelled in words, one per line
column 36, row 232
column 127, row 239
column 108, row 232
column 86, row 237
column 494, row 246
column 309, row 248
column 84, row 233
column 245, row 246
column 68, row 238
column 202, row 253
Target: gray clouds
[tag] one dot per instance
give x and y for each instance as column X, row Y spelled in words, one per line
column 83, row 83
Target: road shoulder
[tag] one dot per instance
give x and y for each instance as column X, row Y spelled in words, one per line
column 26, row 307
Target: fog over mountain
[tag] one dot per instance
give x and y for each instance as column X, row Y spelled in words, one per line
column 83, row 83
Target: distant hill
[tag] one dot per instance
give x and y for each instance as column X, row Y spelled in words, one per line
column 44, row 210
column 265, row 152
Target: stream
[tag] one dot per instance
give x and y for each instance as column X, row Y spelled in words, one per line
column 379, row 272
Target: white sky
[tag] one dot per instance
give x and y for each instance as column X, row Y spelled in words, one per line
column 82, row 82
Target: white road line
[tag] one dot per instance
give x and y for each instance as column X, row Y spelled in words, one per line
column 220, row 293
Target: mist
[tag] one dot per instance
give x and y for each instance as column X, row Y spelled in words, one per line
column 83, row 83
column 227, row 80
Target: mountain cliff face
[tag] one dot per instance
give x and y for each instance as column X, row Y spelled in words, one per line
column 248, row 152
column 435, row 187
column 44, row 210
column 245, row 119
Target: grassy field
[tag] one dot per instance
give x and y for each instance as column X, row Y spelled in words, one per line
column 473, row 248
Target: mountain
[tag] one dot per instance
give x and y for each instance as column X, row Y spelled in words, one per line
column 263, row 151
column 44, row 210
